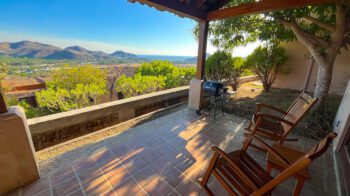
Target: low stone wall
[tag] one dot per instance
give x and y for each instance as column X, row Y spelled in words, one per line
column 245, row 79
column 53, row 129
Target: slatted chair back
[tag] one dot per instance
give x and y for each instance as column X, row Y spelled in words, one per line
column 302, row 104
column 298, row 165
column 299, row 107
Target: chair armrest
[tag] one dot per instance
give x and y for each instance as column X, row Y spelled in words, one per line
column 270, row 116
column 269, row 149
column 261, row 105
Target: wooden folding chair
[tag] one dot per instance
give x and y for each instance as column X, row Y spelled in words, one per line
column 276, row 127
column 240, row 174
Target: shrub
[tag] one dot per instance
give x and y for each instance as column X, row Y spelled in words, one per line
column 138, row 85
column 72, row 88
column 266, row 63
column 174, row 76
column 223, row 68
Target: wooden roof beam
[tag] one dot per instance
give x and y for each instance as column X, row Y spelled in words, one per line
column 261, row 7
column 177, row 7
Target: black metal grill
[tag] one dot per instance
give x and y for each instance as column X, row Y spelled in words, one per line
column 213, row 92
column 213, row 88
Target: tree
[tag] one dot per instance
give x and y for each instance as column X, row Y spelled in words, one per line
column 223, row 68
column 174, row 76
column 266, row 62
column 72, row 88
column 323, row 30
column 139, row 85
column 3, row 70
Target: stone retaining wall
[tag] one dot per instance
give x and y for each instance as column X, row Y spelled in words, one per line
column 57, row 128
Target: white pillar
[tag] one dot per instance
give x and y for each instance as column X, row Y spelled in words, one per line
column 18, row 165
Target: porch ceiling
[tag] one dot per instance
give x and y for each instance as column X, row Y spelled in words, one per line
column 217, row 9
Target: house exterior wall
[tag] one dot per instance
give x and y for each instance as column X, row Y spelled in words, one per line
column 298, row 64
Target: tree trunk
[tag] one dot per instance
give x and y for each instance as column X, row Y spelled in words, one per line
column 324, row 79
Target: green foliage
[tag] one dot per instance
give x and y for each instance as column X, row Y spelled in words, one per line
column 174, row 76
column 266, row 62
column 247, row 72
column 223, row 68
column 241, row 30
column 138, row 85
column 3, row 70
column 72, row 88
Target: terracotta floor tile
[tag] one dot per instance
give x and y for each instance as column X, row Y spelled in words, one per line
column 117, row 175
column 97, row 187
column 43, row 193
column 153, row 143
column 194, row 173
column 174, row 193
column 84, row 165
column 187, row 187
column 119, row 150
column 145, row 176
column 77, row 193
column 134, row 145
column 186, row 163
column 62, row 175
column 127, row 188
column 161, row 166
column 132, row 154
column 112, row 165
column 91, row 175
column 151, row 157
column 103, row 157
column 162, row 150
column 157, row 187
column 135, row 165
column 173, row 177
column 36, row 187
column 66, row 187
column 95, row 182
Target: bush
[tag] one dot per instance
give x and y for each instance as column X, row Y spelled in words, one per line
column 223, row 68
column 72, row 88
column 174, row 76
column 139, row 85
column 266, row 63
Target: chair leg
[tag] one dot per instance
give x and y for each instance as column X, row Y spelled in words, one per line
column 298, row 186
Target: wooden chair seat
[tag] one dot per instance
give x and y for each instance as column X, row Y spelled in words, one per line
column 271, row 127
column 247, row 164
column 291, row 155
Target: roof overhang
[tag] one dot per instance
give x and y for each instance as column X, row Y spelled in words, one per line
column 212, row 9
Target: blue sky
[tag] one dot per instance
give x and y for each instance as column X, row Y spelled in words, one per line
column 106, row 25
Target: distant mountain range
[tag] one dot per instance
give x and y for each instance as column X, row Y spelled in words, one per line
column 39, row 50
column 31, row 49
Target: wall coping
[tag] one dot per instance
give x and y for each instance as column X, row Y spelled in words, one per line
column 103, row 105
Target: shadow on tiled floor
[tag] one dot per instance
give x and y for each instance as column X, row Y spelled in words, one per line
column 163, row 157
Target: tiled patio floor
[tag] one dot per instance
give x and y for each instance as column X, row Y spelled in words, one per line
column 161, row 157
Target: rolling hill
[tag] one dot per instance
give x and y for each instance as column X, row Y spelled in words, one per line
column 31, row 49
